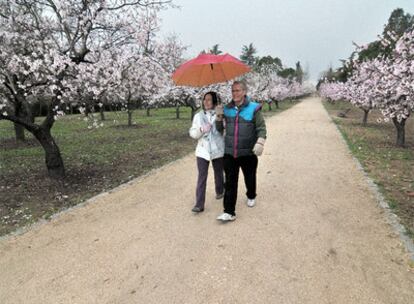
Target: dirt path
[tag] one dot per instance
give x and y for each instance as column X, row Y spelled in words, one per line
column 315, row 236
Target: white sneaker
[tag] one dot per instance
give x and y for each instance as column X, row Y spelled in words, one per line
column 225, row 217
column 251, row 202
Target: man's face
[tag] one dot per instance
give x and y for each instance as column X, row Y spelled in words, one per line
column 237, row 93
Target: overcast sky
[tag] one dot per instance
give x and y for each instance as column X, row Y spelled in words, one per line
column 316, row 32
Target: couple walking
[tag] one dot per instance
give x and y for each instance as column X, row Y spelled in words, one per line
column 231, row 137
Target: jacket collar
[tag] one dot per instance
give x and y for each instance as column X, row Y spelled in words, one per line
column 245, row 103
column 212, row 112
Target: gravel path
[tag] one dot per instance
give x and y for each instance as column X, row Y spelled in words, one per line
column 316, row 235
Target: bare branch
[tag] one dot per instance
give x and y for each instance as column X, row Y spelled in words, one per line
column 4, row 16
column 21, row 121
column 63, row 23
column 138, row 3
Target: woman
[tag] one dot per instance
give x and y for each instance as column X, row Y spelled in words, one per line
column 210, row 147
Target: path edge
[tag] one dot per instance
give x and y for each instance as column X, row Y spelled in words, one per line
column 390, row 216
column 42, row 221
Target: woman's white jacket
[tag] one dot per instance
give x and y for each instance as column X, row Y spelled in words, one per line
column 211, row 144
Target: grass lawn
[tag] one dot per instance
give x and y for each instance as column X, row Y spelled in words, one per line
column 391, row 168
column 96, row 160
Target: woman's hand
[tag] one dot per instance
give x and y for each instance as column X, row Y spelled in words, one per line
column 205, row 128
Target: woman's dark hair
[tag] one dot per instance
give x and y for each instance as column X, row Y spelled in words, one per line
column 214, row 96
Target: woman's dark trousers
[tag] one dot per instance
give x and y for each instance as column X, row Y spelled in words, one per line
column 202, row 166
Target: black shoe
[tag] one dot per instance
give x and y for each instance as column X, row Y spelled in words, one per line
column 197, row 209
column 219, row 196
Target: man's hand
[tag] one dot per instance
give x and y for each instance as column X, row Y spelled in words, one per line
column 259, row 146
column 219, row 112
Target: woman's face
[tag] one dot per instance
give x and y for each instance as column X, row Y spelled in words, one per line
column 208, row 102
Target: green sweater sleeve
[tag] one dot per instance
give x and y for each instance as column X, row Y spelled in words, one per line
column 260, row 125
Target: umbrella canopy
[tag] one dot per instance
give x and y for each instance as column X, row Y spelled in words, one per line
column 207, row 69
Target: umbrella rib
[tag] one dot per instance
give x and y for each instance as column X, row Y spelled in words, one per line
column 224, row 74
column 200, row 75
column 212, row 69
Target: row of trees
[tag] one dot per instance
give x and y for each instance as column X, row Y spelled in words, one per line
column 257, row 63
column 93, row 53
column 380, row 75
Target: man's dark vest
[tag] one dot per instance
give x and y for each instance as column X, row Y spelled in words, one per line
column 240, row 129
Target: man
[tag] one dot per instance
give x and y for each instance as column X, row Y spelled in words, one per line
column 244, row 141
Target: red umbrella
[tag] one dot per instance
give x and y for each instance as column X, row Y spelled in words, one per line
column 207, row 69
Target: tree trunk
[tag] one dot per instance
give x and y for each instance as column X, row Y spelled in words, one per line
column 277, row 104
column 400, row 126
column 19, row 130
column 177, row 112
column 53, row 158
column 87, row 111
column 23, row 111
column 148, row 112
column 101, row 110
column 30, row 114
column 365, row 118
column 129, row 109
column 54, row 161
column 270, row 106
column 129, row 117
